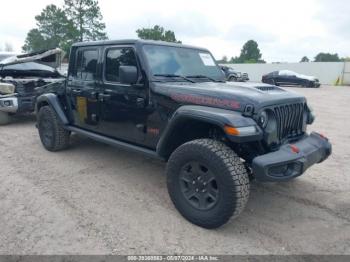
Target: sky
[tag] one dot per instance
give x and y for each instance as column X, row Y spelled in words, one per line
column 285, row 30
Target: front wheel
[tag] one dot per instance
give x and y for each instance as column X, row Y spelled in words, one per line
column 232, row 79
column 52, row 134
column 207, row 182
column 273, row 82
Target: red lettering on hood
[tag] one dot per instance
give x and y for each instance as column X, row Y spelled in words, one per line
column 205, row 100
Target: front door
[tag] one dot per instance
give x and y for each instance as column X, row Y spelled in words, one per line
column 82, row 89
column 123, row 107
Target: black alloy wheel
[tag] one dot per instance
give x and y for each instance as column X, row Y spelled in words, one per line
column 199, row 186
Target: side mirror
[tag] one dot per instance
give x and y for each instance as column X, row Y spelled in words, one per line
column 128, row 74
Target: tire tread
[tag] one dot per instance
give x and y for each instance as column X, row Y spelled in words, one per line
column 61, row 136
column 238, row 175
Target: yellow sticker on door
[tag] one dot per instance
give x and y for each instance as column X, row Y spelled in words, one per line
column 82, row 108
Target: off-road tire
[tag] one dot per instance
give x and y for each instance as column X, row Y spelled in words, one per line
column 230, row 173
column 4, row 118
column 52, row 134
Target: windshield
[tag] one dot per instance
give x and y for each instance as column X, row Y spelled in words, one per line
column 180, row 61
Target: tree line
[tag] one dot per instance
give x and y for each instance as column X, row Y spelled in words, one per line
column 325, row 57
column 250, row 53
column 82, row 20
column 76, row 20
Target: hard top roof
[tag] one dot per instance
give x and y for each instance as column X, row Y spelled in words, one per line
column 134, row 41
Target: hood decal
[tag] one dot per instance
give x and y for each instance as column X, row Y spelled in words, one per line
column 206, row 100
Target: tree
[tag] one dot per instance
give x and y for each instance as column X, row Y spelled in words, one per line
column 304, row 59
column 157, row 33
column 327, row 57
column 78, row 20
column 34, row 41
column 235, row 60
column 250, row 53
column 86, row 18
column 223, row 60
column 54, row 29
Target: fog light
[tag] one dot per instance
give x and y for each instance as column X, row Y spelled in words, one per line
column 7, row 103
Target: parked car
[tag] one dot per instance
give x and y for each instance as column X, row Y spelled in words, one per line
column 22, row 77
column 171, row 102
column 287, row 77
column 233, row 75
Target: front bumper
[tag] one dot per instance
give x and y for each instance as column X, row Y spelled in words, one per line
column 9, row 103
column 17, row 104
column 291, row 160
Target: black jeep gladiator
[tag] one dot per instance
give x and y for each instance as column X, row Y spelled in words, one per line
column 170, row 101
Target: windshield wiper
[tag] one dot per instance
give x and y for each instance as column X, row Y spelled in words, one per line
column 203, row 76
column 174, row 76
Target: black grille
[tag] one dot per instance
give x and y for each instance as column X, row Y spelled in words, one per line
column 289, row 120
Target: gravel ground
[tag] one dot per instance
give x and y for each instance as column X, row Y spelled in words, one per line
column 96, row 199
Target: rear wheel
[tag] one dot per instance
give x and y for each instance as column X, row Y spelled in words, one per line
column 52, row 134
column 4, row 118
column 207, row 182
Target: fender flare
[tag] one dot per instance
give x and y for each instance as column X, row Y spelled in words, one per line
column 215, row 116
column 53, row 101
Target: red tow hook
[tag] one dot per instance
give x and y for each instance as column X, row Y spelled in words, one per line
column 294, row 149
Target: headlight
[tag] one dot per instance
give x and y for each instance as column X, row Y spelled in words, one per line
column 263, row 119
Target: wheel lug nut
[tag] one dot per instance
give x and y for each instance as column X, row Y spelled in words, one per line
column 193, row 182
column 197, row 190
column 204, row 184
column 199, row 178
column 203, row 190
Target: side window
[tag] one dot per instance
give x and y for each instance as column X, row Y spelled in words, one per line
column 115, row 58
column 86, row 64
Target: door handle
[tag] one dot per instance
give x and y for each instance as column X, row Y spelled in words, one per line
column 93, row 95
column 104, row 97
column 140, row 102
column 76, row 91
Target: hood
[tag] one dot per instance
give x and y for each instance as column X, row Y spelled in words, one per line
column 50, row 57
column 229, row 95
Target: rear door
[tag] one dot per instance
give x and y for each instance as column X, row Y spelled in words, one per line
column 82, row 88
